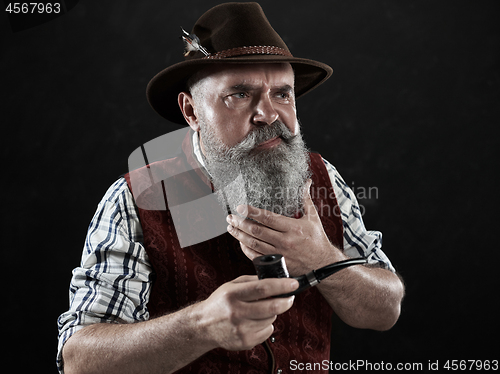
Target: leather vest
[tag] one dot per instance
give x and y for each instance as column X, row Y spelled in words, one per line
column 186, row 275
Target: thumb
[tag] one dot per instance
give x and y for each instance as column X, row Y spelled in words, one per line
column 309, row 208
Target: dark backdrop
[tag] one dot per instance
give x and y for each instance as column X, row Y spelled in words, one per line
column 412, row 109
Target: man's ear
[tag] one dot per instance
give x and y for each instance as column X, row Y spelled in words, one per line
column 188, row 110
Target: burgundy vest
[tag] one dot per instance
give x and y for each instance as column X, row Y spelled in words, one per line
column 186, row 275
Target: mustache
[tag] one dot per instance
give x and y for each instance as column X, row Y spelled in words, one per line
column 263, row 134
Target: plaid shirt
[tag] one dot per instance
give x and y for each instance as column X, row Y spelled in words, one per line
column 113, row 282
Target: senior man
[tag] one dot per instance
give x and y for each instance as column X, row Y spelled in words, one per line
column 198, row 308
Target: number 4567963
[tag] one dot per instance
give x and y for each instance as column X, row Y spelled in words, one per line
column 471, row 365
column 33, row 8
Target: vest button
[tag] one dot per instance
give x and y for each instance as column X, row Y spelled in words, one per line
column 279, row 371
column 273, row 339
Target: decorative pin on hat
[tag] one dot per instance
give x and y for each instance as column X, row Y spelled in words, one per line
column 192, row 44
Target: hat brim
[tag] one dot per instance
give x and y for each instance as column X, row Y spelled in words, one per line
column 163, row 90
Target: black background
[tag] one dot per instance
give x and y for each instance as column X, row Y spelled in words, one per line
column 412, row 109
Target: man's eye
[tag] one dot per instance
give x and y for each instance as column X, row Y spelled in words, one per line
column 283, row 96
column 240, row 95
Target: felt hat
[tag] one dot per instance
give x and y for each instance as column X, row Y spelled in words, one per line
column 234, row 33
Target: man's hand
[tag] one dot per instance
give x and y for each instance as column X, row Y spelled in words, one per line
column 239, row 314
column 302, row 242
column 354, row 294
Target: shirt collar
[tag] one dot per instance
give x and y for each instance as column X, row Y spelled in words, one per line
column 197, row 150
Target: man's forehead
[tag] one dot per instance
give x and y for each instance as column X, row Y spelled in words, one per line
column 236, row 74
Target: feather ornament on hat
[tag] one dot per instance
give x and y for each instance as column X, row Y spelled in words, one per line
column 192, row 44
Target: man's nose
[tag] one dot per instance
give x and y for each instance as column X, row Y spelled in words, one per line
column 264, row 111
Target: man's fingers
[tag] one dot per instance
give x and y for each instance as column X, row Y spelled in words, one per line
column 250, row 253
column 265, row 288
column 242, row 312
column 308, row 206
column 245, row 278
column 265, row 333
column 253, row 235
column 265, row 217
column 264, row 311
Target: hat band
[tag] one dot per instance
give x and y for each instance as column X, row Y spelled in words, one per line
column 253, row 50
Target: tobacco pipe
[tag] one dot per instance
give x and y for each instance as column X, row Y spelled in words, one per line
column 273, row 266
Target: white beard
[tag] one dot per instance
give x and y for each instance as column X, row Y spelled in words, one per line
column 271, row 179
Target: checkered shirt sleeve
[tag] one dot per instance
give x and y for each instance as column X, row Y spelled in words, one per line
column 357, row 240
column 113, row 282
